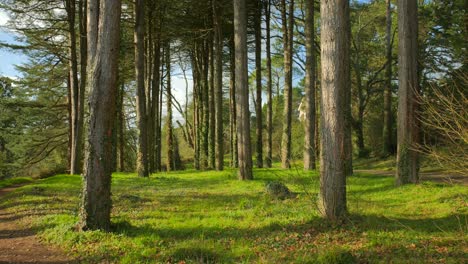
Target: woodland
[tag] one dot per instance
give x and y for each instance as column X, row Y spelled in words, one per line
column 235, row 131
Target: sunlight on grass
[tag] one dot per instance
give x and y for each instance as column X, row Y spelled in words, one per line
column 211, row 217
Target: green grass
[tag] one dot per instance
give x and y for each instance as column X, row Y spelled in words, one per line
column 211, row 217
column 14, row 181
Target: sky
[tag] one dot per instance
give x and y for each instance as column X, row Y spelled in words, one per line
column 8, row 58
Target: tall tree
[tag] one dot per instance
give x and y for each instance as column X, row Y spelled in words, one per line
column 218, row 83
column 387, row 122
column 269, row 122
column 258, row 82
column 75, row 151
column 408, row 129
column 142, row 155
column 242, row 91
column 309, row 140
column 335, row 39
column 287, row 24
column 103, row 45
column 170, row 165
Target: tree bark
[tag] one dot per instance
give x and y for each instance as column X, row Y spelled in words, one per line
column 387, row 122
column 233, row 108
column 288, row 38
column 408, row 127
column 335, row 39
column 75, row 158
column 269, row 147
column 309, row 140
column 212, row 126
column 142, row 155
column 258, row 81
column 217, row 9
column 242, row 91
column 169, row 132
column 103, row 54
column 154, row 111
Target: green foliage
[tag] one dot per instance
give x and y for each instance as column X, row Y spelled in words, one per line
column 211, row 217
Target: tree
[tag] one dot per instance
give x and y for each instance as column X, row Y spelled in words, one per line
column 218, row 27
column 288, row 38
column 407, row 125
column 387, row 122
column 258, row 82
column 103, row 46
column 269, row 121
column 142, row 156
column 309, row 144
column 242, row 91
column 335, row 60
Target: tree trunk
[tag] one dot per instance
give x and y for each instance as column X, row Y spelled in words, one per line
column 258, row 80
column 103, row 44
column 75, row 159
column 309, row 140
column 335, row 39
column 387, row 122
column 269, row 147
column 169, row 133
column 232, row 108
column 142, row 155
column 288, row 38
column 408, row 128
column 121, row 129
column 154, row 111
column 242, row 91
column 212, row 126
column 219, row 84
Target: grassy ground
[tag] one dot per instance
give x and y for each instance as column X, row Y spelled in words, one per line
column 211, row 217
column 14, row 181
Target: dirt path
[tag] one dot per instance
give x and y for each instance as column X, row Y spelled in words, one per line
column 20, row 245
column 427, row 176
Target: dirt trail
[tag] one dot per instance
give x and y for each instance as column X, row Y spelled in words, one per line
column 20, row 245
column 439, row 177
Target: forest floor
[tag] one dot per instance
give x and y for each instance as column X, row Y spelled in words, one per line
column 19, row 244
column 211, row 217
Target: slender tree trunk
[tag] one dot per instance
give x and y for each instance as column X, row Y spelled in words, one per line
column 387, row 122
column 212, row 126
column 217, row 9
column 269, row 147
column 335, row 39
column 70, row 7
column 154, row 112
column 258, row 80
column 169, row 132
column 103, row 44
column 233, row 108
column 205, row 102
column 309, row 140
column 288, row 38
column 408, row 127
column 142, row 155
column 242, row 91
column 122, row 129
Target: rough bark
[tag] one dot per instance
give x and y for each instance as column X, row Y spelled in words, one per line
column 288, row 24
column 219, row 84
column 258, row 82
column 387, row 116
column 335, row 39
column 242, row 91
column 233, row 109
column 408, row 129
column 103, row 43
column 269, row 122
column 142, row 153
column 309, row 127
column 154, row 111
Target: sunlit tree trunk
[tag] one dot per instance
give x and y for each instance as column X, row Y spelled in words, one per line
column 269, row 147
column 335, row 60
column 103, row 45
column 142, row 153
column 242, row 91
column 309, row 140
column 408, row 127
